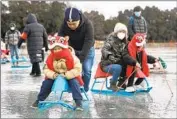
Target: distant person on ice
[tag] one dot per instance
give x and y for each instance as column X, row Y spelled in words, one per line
column 137, row 23
column 36, row 37
column 81, row 33
column 11, row 39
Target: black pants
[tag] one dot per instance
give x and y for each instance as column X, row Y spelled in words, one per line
column 36, row 68
column 131, row 80
column 43, row 55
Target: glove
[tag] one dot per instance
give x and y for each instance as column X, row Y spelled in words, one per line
column 46, row 49
column 78, row 53
column 20, row 43
column 112, row 58
column 55, row 75
column 81, row 58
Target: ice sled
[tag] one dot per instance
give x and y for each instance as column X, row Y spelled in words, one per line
column 101, row 85
column 61, row 85
column 23, row 62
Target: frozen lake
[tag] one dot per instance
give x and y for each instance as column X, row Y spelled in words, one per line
column 19, row 90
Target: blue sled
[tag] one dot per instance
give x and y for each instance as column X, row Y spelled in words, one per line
column 107, row 91
column 26, row 66
column 3, row 61
column 47, row 104
column 60, row 85
column 22, row 59
column 120, row 92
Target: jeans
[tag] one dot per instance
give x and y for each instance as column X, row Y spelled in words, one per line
column 47, row 87
column 115, row 70
column 13, row 51
column 87, row 68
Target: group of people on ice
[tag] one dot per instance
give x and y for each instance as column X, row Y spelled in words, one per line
column 72, row 53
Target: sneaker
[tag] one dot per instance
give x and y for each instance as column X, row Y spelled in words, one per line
column 32, row 74
column 120, row 82
column 17, row 63
column 143, row 84
column 130, row 89
column 37, row 75
column 113, row 86
column 35, row 105
column 138, row 87
column 79, row 108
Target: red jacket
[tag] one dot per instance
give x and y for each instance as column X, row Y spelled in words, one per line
column 133, row 49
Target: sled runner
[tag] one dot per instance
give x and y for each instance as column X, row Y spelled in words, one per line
column 61, row 85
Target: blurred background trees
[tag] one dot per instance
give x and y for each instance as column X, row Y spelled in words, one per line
column 162, row 25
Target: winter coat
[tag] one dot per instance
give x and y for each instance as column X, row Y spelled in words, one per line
column 136, row 25
column 36, row 36
column 61, row 68
column 140, row 56
column 81, row 39
column 12, row 37
column 115, row 51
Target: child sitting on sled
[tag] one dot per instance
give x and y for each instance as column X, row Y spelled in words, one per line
column 137, row 51
column 4, row 54
column 62, row 61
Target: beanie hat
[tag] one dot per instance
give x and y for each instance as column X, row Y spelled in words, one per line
column 72, row 14
column 12, row 25
column 137, row 8
column 58, row 41
column 119, row 26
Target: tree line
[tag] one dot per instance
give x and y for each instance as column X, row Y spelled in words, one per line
column 162, row 25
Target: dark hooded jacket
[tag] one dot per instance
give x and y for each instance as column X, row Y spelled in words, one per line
column 81, row 39
column 36, row 38
column 115, row 51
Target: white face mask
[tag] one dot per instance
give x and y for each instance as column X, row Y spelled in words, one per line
column 12, row 28
column 121, row 36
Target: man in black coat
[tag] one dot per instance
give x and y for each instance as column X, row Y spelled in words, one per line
column 81, row 37
column 36, row 37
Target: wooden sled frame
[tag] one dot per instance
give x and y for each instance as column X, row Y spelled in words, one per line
column 106, row 91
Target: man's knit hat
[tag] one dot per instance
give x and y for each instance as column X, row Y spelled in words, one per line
column 72, row 14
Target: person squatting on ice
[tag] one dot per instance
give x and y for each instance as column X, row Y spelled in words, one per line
column 36, row 37
column 11, row 39
column 62, row 62
column 137, row 52
column 115, row 54
column 81, row 37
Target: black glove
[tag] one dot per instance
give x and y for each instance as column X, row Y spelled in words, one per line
column 78, row 53
column 46, row 49
column 82, row 58
column 20, row 43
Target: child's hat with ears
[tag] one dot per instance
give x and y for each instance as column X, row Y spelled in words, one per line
column 58, row 41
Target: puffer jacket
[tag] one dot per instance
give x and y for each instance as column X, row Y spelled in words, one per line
column 60, row 68
column 36, row 37
column 136, row 25
column 12, row 37
column 112, row 51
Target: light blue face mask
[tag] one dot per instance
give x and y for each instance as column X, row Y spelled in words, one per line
column 138, row 14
